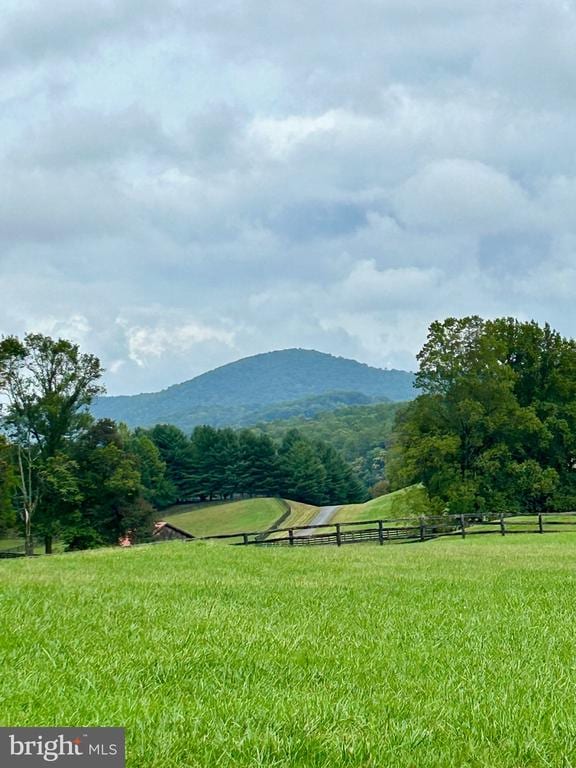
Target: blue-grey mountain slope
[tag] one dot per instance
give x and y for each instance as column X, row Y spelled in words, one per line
column 265, row 387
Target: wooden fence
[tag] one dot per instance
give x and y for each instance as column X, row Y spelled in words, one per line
column 277, row 523
column 398, row 531
column 15, row 550
column 403, row 530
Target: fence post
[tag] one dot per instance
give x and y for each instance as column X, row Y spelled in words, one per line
column 463, row 526
column 291, row 536
column 338, row 535
column 422, row 529
column 380, row 531
column 245, row 535
column 502, row 524
column 540, row 523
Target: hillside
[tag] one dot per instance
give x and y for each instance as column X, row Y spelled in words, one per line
column 360, row 433
column 258, row 514
column 405, row 503
column 353, row 430
column 226, row 517
column 264, row 387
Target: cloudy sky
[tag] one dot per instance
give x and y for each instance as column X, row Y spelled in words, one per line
column 184, row 183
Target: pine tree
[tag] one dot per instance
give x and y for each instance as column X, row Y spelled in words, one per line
column 303, row 477
column 176, row 452
column 258, row 465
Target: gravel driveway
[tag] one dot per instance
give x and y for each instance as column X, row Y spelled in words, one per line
column 324, row 515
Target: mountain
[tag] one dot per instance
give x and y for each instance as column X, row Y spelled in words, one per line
column 282, row 384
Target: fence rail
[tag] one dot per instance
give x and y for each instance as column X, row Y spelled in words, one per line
column 403, row 530
column 396, row 531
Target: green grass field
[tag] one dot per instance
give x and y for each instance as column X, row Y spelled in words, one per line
column 228, row 517
column 407, row 502
column 528, row 523
column 451, row 653
column 10, row 542
column 301, row 514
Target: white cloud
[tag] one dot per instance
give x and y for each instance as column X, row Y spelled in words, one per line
column 281, row 136
column 367, row 286
column 463, row 196
column 76, row 327
column 232, row 177
column 148, row 343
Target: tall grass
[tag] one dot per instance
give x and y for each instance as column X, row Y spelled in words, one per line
column 449, row 653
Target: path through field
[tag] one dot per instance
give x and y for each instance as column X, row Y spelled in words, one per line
column 324, row 516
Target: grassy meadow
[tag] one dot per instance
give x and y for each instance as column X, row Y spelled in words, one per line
column 227, row 517
column 301, row 514
column 529, row 523
column 451, row 653
column 10, row 542
column 407, row 502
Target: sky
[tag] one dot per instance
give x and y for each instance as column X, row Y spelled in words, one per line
column 183, row 184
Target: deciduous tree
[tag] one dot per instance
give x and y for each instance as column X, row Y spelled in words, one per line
column 495, row 427
column 46, row 384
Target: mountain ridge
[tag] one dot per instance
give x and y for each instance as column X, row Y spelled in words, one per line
column 235, row 392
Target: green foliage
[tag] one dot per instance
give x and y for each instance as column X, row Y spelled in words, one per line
column 315, row 473
column 258, row 469
column 84, row 482
column 8, row 485
column 156, row 487
column 110, row 485
column 222, row 464
column 215, row 463
column 495, row 429
column 174, row 449
column 304, row 477
column 359, row 433
column 61, row 495
column 46, row 385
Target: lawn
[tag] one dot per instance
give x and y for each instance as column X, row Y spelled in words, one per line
column 407, row 502
column 11, row 542
column 300, row 514
column 451, row 653
column 527, row 523
column 228, row 517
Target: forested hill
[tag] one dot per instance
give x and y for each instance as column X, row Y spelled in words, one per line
column 261, row 388
column 361, row 434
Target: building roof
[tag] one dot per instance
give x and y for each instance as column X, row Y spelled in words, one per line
column 162, row 524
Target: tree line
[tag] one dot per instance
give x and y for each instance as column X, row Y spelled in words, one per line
column 495, row 428
column 360, row 432
column 88, row 483
column 223, row 463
